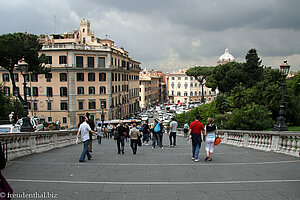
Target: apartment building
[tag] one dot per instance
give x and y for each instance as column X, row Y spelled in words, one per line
column 88, row 74
column 183, row 88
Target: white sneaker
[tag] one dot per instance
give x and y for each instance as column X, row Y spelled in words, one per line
column 152, row 147
column 193, row 158
column 197, row 160
column 162, row 148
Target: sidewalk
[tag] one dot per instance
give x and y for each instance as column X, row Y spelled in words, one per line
column 169, row 173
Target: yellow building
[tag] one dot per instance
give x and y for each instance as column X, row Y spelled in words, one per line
column 88, row 74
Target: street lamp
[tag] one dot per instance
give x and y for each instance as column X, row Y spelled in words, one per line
column 280, row 124
column 26, row 125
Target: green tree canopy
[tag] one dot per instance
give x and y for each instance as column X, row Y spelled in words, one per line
column 16, row 46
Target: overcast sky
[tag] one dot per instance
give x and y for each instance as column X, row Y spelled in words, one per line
column 171, row 34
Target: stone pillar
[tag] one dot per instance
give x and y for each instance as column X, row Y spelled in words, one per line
column 275, row 142
column 32, row 143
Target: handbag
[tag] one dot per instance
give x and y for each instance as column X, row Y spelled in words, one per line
column 217, row 140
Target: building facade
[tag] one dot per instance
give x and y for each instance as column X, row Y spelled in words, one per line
column 88, row 74
column 183, row 88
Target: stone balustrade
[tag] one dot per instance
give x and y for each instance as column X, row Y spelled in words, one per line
column 21, row 144
column 280, row 142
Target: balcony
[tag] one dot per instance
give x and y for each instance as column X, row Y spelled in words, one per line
column 75, row 47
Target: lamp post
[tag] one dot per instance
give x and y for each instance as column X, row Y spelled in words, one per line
column 102, row 113
column 26, row 125
column 280, row 124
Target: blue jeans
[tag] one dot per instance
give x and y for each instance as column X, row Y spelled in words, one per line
column 146, row 137
column 196, row 145
column 85, row 150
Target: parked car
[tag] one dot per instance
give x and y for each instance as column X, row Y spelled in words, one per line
column 35, row 122
column 9, row 128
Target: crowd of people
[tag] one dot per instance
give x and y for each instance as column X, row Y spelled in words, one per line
column 139, row 135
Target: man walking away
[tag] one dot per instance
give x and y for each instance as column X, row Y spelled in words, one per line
column 196, row 128
column 173, row 126
column 92, row 126
column 185, row 129
column 109, row 130
column 121, row 133
column 134, row 134
column 146, row 133
column 157, row 130
column 85, row 131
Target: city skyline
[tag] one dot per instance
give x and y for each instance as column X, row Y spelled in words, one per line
column 171, row 35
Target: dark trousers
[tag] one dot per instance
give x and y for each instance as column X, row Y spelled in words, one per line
column 120, row 144
column 91, row 142
column 85, row 150
column 133, row 145
column 156, row 138
column 172, row 137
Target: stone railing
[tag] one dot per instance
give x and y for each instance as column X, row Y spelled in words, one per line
column 21, row 144
column 280, row 142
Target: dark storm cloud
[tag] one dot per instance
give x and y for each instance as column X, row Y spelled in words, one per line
column 170, row 33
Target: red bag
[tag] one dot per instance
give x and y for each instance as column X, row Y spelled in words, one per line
column 217, row 140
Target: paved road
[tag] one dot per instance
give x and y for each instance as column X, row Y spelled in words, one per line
column 169, row 173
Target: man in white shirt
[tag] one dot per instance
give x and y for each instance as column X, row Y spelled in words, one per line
column 173, row 130
column 85, row 129
column 109, row 130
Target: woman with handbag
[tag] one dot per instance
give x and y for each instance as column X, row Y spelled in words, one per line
column 210, row 134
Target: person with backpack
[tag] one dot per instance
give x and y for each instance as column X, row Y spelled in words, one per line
column 196, row 128
column 157, row 130
column 211, row 131
column 120, row 137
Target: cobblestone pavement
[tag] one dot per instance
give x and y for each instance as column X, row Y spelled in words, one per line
column 169, row 173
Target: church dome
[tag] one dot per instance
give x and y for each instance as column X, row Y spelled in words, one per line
column 226, row 57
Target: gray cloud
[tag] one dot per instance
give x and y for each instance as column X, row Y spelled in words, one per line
column 171, row 34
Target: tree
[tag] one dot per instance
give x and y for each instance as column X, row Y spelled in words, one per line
column 200, row 74
column 252, row 68
column 14, row 47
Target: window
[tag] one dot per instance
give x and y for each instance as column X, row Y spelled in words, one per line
column 80, row 76
column 195, row 84
column 116, row 77
column 17, row 91
column 178, row 94
column 26, row 77
column 179, row 78
column 28, row 91
column 80, row 105
column 49, row 92
column 48, row 77
column 102, row 76
column 63, row 92
column 34, row 77
column 186, row 78
column 191, row 94
column 91, row 62
column 185, row 94
column 62, row 60
column 79, row 61
column 49, row 60
column 16, row 77
column 83, row 40
column 91, row 90
column 112, row 77
column 119, row 77
column 91, row 76
column 186, row 85
column 29, row 105
column 63, row 77
column 191, row 84
column 63, row 106
column 49, row 105
column 6, row 91
column 5, row 77
column 92, row 105
column 64, row 120
column 178, row 85
column 35, row 91
column 102, row 90
column 35, row 106
column 195, row 93
column 80, row 90
column 49, row 119
column 172, row 92
column 173, row 78
column 101, row 62
column 112, row 89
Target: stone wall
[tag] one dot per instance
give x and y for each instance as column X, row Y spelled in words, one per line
column 22, row 144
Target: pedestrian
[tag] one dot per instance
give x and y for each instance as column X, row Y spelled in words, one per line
column 127, row 132
column 109, row 130
column 121, row 134
column 173, row 131
column 134, row 134
column 5, row 188
column 146, row 133
column 11, row 116
column 185, row 129
column 196, row 128
column 92, row 126
column 99, row 132
column 211, row 131
column 157, row 130
column 85, row 131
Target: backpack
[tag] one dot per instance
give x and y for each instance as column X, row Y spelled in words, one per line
column 157, row 128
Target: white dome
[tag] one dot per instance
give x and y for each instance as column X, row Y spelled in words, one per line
column 226, row 57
